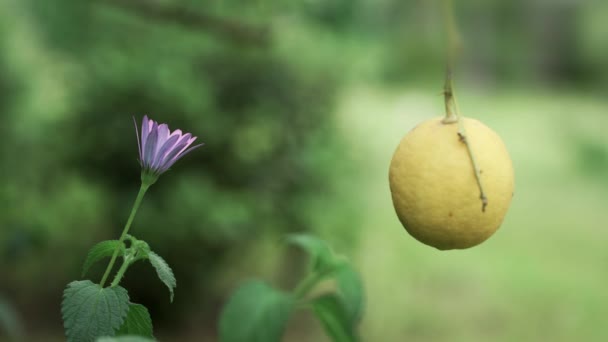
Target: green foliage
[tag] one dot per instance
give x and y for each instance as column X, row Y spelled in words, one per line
column 339, row 312
column 141, row 248
column 164, row 272
column 104, row 249
column 255, row 313
column 331, row 312
column 138, row 322
column 90, row 311
column 350, row 287
column 322, row 259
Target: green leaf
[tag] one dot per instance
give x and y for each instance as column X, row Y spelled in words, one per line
column 129, row 338
column 104, row 249
column 255, row 313
column 332, row 314
column 322, row 258
column 138, row 322
column 90, row 311
column 351, row 290
column 164, row 272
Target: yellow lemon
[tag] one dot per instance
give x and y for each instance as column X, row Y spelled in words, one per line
column 434, row 187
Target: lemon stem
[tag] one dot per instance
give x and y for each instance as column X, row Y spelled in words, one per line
column 452, row 115
column 452, row 51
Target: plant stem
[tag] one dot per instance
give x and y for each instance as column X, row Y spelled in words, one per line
column 121, row 271
column 307, row 284
column 452, row 51
column 142, row 191
column 453, row 35
column 452, row 115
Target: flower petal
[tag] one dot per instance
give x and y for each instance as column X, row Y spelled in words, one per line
column 159, row 148
column 163, row 134
column 164, row 149
column 182, row 144
column 151, row 145
column 138, row 143
column 167, row 165
column 176, row 132
column 145, row 130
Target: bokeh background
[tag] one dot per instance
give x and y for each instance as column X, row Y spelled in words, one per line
column 300, row 105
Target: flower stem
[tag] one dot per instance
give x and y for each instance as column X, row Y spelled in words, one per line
column 121, row 271
column 142, row 191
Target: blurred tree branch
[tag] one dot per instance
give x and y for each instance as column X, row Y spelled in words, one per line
column 225, row 28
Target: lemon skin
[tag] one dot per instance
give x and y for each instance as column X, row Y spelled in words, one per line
column 434, row 189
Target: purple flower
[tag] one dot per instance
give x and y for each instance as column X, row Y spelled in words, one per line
column 160, row 148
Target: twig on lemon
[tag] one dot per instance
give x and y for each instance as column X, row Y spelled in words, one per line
column 463, row 137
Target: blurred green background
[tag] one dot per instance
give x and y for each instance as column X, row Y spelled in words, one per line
column 300, row 105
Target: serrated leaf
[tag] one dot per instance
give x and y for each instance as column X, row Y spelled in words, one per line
column 129, row 338
column 90, row 311
column 104, row 249
column 164, row 272
column 351, row 290
column 138, row 322
column 255, row 313
column 322, row 259
column 334, row 318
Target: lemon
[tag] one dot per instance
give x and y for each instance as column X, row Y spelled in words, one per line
column 434, row 187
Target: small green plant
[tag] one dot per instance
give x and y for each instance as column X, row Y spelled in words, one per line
column 92, row 311
column 257, row 312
